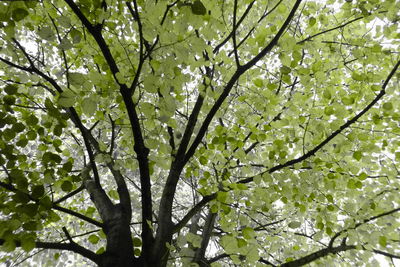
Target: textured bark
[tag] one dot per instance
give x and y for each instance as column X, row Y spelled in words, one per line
column 119, row 249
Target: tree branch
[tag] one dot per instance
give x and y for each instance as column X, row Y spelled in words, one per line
column 254, row 27
column 208, row 198
column 329, row 30
column 235, row 26
column 344, row 126
column 164, row 209
column 317, row 255
column 361, row 223
column 112, row 141
column 235, row 48
column 74, row 115
column 96, row 33
column 142, row 153
column 141, row 150
column 387, row 254
column 275, row 40
column 73, row 193
column 190, row 127
column 11, row 188
column 78, row 215
column 72, row 246
column 208, row 227
column 142, row 41
column 234, row 79
column 335, row 133
column 197, row 208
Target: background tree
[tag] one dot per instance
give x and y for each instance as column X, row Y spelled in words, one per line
column 154, row 133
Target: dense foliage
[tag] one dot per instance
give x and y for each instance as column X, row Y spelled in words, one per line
column 199, row 132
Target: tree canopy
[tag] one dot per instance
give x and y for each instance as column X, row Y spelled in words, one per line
column 199, row 132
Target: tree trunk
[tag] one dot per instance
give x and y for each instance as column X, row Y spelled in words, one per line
column 119, row 249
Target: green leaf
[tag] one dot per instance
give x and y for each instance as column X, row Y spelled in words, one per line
column 248, row 233
column 272, row 86
column 9, row 245
column 222, row 196
column 312, row 21
column 22, row 142
column 137, row 252
column 89, row 106
column 294, row 224
column 214, row 208
column 376, row 48
column 11, row 89
column 137, row 242
column 327, row 94
column 32, row 120
column 203, row 160
column 94, row 239
column 18, row 127
column 382, row 241
column 46, row 203
column 285, row 70
column 49, row 157
column 348, row 100
column 67, row 166
column 101, row 250
column 289, row 259
column 351, row 184
column 30, row 4
column 258, row 82
column 31, row 135
column 8, row 134
column 241, row 242
column 37, row 191
column 329, row 110
column 357, row 155
column 53, row 217
column 17, row 174
column 66, row 186
column 76, row 36
column 58, row 130
column 76, row 79
column 330, row 207
column 242, row 186
column 362, row 176
column 30, row 210
column 387, row 106
column 20, row 197
column 357, row 77
column 198, row 8
column 46, row 33
column 9, row 100
column 65, row 44
column 113, row 194
column 397, row 156
column 64, row 21
column 328, row 231
column 31, row 225
column 19, row 14
column 376, row 88
column 120, row 78
column 66, row 99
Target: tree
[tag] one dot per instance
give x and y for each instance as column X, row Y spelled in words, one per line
column 200, row 133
